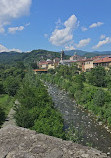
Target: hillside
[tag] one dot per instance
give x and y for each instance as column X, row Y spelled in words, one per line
column 30, row 57
column 87, row 54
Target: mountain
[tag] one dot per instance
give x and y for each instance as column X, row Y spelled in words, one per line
column 10, row 57
column 87, row 54
column 27, row 58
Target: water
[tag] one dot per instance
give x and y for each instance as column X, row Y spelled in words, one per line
column 93, row 133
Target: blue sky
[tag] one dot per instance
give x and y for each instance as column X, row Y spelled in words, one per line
column 55, row 24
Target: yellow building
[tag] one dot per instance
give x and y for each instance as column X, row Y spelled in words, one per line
column 85, row 64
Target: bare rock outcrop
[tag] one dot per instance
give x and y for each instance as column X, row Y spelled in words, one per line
column 17, row 142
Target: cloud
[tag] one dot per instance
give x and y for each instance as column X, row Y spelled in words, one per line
column 102, row 37
column 58, row 23
column 46, row 35
column 2, row 30
column 14, row 29
column 12, row 9
column 4, row 49
column 107, row 40
column 60, row 37
column 84, row 29
column 83, row 43
column 96, row 24
column 69, row 48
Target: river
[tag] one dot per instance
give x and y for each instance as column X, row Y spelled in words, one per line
column 93, row 133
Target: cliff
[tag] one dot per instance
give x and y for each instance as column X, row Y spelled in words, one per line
column 17, row 142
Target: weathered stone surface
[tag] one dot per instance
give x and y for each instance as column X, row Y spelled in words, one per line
column 16, row 142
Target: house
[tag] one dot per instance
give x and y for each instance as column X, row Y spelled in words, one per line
column 43, row 65
column 85, row 64
column 67, row 62
column 75, row 57
column 49, row 64
column 103, row 61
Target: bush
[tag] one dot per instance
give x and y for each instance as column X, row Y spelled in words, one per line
column 99, row 98
column 2, row 116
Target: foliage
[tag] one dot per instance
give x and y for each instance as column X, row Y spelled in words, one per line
column 10, row 79
column 74, row 134
column 90, row 96
column 1, row 88
column 36, row 110
column 6, row 103
column 96, row 77
column 99, row 98
column 11, row 85
column 2, row 116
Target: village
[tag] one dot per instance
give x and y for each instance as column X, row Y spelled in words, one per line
column 85, row 64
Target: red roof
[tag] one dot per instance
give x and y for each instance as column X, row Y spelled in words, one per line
column 83, row 60
column 45, row 62
column 38, row 70
column 103, row 60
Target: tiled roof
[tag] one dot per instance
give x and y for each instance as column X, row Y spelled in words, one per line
column 103, row 60
column 83, row 60
column 38, row 70
column 45, row 63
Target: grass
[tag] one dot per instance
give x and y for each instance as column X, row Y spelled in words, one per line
column 91, row 86
column 6, row 102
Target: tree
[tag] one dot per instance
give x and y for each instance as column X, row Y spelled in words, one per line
column 1, row 88
column 99, row 98
column 97, row 77
column 108, row 79
column 2, row 115
column 11, row 85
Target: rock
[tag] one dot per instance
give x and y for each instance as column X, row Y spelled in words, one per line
column 17, row 142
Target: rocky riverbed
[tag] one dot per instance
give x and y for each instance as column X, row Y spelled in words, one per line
column 94, row 134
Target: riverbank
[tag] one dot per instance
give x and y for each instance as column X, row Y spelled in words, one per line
column 93, row 133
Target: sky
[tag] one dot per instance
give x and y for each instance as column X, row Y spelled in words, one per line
column 54, row 25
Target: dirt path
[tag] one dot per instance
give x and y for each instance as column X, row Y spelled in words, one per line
column 10, row 120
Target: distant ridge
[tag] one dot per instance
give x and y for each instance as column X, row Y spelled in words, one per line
column 86, row 53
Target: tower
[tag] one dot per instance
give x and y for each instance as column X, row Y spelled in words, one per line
column 62, row 55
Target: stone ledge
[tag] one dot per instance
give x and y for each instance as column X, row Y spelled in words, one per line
column 17, row 142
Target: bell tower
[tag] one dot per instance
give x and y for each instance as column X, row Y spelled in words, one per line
column 62, row 55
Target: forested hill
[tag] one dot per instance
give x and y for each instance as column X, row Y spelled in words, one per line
column 30, row 57
column 87, row 54
column 10, row 57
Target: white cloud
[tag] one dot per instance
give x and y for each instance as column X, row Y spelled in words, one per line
column 4, row 49
column 14, row 29
column 83, row 43
column 96, row 24
column 46, row 35
column 2, row 30
column 84, row 29
column 102, row 37
column 12, row 9
column 62, row 36
column 69, row 48
column 107, row 40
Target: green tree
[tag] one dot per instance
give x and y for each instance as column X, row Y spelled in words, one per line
column 97, row 77
column 2, row 115
column 1, row 88
column 11, row 85
column 99, row 98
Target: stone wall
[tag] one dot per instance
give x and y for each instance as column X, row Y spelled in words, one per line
column 17, row 142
